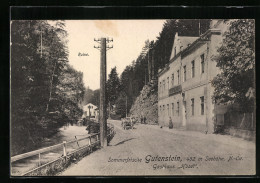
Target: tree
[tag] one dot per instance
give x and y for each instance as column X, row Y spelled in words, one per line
column 122, row 105
column 112, row 89
column 113, row 86
column 45, row 90
column 91, row 96
column 68, row 94
column 236, row 60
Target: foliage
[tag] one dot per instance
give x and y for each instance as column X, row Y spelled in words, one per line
column 91, row 96
column 70, row 92
column 236, row 61
column 45, row 90
column 121, row 105
column 112, row 86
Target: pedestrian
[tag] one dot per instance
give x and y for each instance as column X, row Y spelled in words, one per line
column 170, row 123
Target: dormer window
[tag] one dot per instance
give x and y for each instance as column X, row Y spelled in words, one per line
column 188, row 45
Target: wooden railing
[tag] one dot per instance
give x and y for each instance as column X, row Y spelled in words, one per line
column 47, row 149
column 110, row 131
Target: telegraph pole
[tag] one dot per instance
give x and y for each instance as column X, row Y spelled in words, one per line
column 199, row 27
column 41, row 42
column 152, row 65
column 102, row 105
column 125, row 105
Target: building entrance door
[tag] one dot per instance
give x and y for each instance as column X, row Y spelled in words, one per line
column 184, row 114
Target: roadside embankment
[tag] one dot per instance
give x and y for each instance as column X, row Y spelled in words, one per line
column 145, row 105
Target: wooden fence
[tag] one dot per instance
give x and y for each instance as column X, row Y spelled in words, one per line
column 91, row 143
column 244, row 121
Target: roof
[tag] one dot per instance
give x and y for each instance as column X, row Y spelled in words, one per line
column 185, row 40
column 89, row 104
column 182, row 42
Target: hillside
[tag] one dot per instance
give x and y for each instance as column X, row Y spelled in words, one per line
column 145, row 104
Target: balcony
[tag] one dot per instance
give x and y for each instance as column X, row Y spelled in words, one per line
column 175, row 90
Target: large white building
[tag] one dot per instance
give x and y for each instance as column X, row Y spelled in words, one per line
column 90, row 110
column 184, row 85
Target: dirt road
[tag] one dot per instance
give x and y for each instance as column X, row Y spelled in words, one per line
column 150, row 150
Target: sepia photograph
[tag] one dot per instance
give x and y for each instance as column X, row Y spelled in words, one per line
column 132, row 97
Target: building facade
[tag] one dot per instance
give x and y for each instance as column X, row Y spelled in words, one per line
column 90, row 110
column 184, row 85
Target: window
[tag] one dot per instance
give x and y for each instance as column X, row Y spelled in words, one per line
column 178, row 73
column 168, row 111
column 192, row 106
column 168, row 83
column 160, row 108
column 162, row 87
column 174, row 51
column 193, row 69
column 184, row 73
column 163, row 109
column 202, row 105
column 163, row 84
column 202, row 63
column 172, row 79
column 173, row 109
column 178, row 108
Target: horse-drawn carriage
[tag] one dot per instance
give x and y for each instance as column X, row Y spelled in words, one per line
column 127, row 123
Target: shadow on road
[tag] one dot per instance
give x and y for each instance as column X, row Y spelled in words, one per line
column 124, row 141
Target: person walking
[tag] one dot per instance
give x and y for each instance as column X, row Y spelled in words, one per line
column 170, row 123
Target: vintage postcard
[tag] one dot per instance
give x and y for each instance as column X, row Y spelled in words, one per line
column 130, row 97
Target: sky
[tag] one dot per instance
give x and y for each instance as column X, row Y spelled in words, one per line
column 128, row 40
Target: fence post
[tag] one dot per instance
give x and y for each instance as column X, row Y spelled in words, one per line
column 64, row 149
column 97, row 137
column 77, row 140
column 39, row 159
column 89, row 142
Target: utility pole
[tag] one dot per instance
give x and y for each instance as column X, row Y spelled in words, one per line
column 145, row 76
column 102, row 106
column 199, row 27
column 152, row 65
column 41, row 42
column 148, row 64
column 126, row 105
column 109, row 109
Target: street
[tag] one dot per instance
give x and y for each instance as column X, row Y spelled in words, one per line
column 151, row 150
